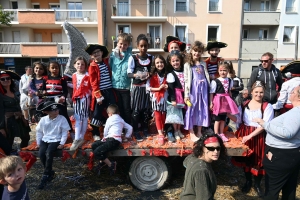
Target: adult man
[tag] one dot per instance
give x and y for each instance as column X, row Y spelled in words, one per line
column 269, row 75
column 24, row 88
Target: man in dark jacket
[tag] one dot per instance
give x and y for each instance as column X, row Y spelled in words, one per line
column 269, row 75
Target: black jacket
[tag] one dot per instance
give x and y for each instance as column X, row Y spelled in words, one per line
column 270, row 78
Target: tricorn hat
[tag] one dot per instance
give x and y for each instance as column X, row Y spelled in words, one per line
column 48, row 106
column 293, row 68
column 215, row 44
column 169, row 39
column 12, row 74
column 92, row 47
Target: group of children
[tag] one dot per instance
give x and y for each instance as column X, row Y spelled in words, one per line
column 179, row 90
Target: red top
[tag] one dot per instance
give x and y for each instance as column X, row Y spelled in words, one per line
column 84, row 88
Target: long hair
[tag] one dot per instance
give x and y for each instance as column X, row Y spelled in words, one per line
column 197, row 46
column 180, row 56
column 44, row 66
column 12, row 86
column 153, row 67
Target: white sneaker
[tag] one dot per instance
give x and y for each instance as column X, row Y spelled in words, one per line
column 180, row 134
column 96, row 137
column 177, row 137
column 74, row 145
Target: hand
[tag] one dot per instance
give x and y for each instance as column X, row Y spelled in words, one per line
column 37, row 147
column 232, row 88
column 211, row 106
column 60, row 146
column 3, row 132
column 174, row 103
column 166, row 86
column 44, row 92
column 161, row 87
column 186, row 99
column 246, row 138
column 99, row 102
column 259, row 121
column 61, row 99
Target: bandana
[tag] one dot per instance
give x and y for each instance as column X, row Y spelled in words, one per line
column 4, row 74
column 211, row 140
column 174, row 41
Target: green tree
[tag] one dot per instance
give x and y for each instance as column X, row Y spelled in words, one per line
column 5, row 17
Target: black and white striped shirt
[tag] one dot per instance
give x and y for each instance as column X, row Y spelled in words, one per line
column 105, row 80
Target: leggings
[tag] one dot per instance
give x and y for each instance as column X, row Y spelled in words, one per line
column 160, row 118
column 80, row 128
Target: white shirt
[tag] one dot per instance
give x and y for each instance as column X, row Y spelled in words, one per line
column 79, row 79
column 249, row 115
column 114, row 127
column 52, row 130
column 24, row 83
column 213, row 84
column 285, row 91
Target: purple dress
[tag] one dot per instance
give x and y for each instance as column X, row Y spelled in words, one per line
column 198, row 114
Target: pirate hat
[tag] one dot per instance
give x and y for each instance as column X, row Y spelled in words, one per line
column 293, row 68
column 215, row 44
column 12, row 74
column 48, row 106
column 169, row 39
column 92, row 47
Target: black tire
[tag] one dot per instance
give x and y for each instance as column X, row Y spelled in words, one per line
column 149, row 173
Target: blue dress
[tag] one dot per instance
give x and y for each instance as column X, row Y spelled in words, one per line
column 198, row 114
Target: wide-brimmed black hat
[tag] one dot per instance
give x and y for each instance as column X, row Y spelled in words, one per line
column 48, row 106
column 215, row 44
column 292, row 67
column 12, row 74
column 92, row 47
column 169, row 39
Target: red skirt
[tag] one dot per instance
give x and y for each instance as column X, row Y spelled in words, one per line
column 253, row 162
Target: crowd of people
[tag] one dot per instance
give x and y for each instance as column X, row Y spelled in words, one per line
column 124, row 90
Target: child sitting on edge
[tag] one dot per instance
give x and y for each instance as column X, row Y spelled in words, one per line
column 112, row 138
column 51, row 134
column 12, row 174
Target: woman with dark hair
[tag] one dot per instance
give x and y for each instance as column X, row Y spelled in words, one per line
column 12, row 121
column 200, row 181
column 253, row 136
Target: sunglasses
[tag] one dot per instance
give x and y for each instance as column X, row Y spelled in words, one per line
column 213, row 148
column 5, row 79
column 264, row 61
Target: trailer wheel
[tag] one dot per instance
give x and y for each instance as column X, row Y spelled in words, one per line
column 149, row 173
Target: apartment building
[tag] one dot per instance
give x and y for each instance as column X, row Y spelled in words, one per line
column 36, row 33
column 190, row 20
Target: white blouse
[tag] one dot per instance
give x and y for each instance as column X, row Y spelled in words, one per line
column 249, row 115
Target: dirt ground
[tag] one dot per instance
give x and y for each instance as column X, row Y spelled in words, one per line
column 74, row 181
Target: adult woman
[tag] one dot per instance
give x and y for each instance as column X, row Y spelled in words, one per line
column 200, row 181
column 12, row 121
column 282, row 160
column 254, row 136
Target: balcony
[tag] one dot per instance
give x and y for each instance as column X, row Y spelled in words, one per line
column 10, row 48
column 254, row 48
column 261, row 17
column 138, row 13
column 87, row 17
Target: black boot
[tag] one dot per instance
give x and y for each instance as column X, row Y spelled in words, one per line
column 246, row 188
column 257, row 188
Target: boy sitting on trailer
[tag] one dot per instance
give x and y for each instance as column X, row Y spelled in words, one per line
column 112, row 138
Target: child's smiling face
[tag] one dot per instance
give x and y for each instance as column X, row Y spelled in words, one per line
column 159, row 64
column 80, row 66
column 175, row 62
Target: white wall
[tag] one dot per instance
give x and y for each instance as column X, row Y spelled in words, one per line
column 26, row 34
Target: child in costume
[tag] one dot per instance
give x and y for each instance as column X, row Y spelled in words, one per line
column 112, row 138
column 221, row 102
column 213, row 49
column 51, row 134
column 12, row 174
column 175, row 80
column 157, row 85
column 139, row 66
column 102, row 92
column 196, row 91
column 120, row 81
column 81, row 100
column 57, row 89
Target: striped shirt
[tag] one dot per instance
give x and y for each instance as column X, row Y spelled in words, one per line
column 105, row 80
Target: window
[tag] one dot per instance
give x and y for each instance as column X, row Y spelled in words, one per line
column 16, row 36
column 288, row 33
column 56, row 37
column 123, row 28
column 155, row 35
column 38, row 37
column 247, row 5
column 263, row 34
column 1, row 36
column 74, row 6
column 123, row 8
column 213, row 5
column 290, row 6
column 181, row 5
column 265, row 6
column 212, row 33
column 154, row 9
column 245, row 33
column 14, row 5
column 55, row 7
column 36, row 6
column 181, row 33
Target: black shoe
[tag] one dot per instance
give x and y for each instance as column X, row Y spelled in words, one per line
column 99, row 167
column 145, row 133
column 258, row 191
column 113, row 167
column 246, row 188
column 51, row 176
column 43, row 182
column 138, row 137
